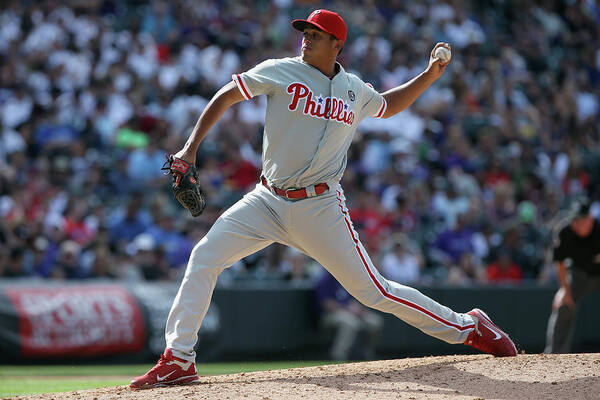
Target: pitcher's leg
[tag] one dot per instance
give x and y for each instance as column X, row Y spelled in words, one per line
column 247, row 227
column 406, row 303
column 332, row 241
column 195, row 292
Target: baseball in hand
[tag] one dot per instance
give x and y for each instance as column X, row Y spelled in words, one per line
column 443, row 54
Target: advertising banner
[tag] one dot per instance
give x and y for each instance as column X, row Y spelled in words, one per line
column 82, row 320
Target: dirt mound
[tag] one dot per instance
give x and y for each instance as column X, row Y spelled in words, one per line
column 572, row 376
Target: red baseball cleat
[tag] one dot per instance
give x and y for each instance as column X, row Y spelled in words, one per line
column 488, row 338
column 169, row 370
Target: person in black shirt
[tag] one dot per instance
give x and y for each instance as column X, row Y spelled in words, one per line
column 576, row 252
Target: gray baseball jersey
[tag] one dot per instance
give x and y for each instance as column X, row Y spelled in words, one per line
column 309, row 124
column 310, row 119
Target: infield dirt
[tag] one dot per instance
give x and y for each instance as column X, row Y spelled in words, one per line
column 538, row 376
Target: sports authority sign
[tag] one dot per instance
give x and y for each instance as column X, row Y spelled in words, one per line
column 80, row 320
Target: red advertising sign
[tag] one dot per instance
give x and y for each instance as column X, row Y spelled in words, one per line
column 82, row 320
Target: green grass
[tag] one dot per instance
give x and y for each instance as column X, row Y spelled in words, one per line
column 26, row 386
column 25, row 380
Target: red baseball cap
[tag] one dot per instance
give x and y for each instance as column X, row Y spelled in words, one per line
column 327, row 21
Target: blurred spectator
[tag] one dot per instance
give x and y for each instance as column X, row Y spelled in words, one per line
column 451, row 243
column 403, row 263
column 158, row 21
column 68, row 264
column 297, row 267
column 44, row 256
column 347, row 318
column 149, row 258
column 92, row 97
column 449, row 204
column 504, row 269
column 143, row 165
column 468, row 272
column 13, row 267
column 177, row 246
column 75, row 226
column 240, row 174
column 103, row 265
column 370, row 220
column 533, row 238
column 16, row 109
column 130, row 224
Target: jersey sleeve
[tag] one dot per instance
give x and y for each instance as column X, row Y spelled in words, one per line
column 374, row 104
column 258, row 80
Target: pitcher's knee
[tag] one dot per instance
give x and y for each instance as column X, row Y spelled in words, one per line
column 382, row 298
column 202, row 257
column 370, row 298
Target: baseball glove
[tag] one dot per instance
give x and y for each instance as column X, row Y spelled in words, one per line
column 188, row 192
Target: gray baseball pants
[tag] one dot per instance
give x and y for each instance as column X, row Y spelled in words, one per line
column 319, row 227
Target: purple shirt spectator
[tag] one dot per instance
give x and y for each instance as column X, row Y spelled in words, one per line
column 328, row 288
column 455, row 242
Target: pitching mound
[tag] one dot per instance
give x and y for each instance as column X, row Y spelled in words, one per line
column 572, row 376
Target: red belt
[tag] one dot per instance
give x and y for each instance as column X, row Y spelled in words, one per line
column 296, row 194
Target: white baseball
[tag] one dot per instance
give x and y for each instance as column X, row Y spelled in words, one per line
column 443, row 54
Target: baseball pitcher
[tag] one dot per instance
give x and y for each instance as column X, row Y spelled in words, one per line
column 313, row 109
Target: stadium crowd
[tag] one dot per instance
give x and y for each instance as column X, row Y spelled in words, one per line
column 463, row 188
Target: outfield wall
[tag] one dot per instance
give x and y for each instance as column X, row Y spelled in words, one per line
column 41, row 320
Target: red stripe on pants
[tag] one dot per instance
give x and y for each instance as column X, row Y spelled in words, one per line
column 382, row 289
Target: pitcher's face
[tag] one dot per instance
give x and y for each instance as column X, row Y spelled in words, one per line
column 318, row 45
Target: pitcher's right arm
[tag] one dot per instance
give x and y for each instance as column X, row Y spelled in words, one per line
column 227, row 96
